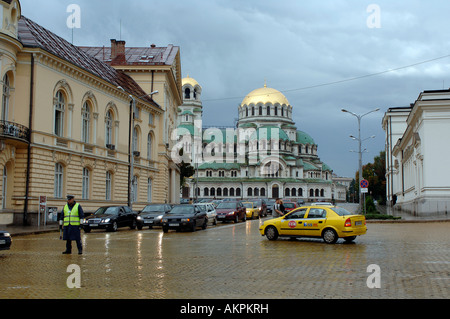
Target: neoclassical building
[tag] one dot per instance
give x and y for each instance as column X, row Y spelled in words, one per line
column 66, row 125
column 417, row 155
column 263, row 156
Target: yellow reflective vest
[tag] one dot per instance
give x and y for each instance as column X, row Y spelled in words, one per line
column 71, row 217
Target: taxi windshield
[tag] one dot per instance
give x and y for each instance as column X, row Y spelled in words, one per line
column 248, row 205
column 341, row 211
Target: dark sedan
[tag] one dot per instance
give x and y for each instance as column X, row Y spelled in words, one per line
column 5, row 240
column 110, row 218
column 185, row 217
column 152, row 215
column 231, row 210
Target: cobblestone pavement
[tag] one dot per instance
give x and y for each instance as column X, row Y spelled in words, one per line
column 231, row 261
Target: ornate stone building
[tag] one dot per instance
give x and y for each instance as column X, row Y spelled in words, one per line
column 65, row 125
column 265, row 155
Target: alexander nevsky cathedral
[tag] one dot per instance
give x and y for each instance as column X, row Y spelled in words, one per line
column 263, row 156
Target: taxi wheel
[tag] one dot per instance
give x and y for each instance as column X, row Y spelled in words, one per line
column 330, row 236
column 271, row 233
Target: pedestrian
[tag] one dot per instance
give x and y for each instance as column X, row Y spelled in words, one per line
column 71, row 216
column 278, row 208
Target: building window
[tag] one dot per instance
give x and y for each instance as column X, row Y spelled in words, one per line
column 109, row 128
column 206, row 191
column 149, row 146
column 134, row 188
column 149, row 190
column 260, row 110
column 108, row 185
column 59, row 113
column 135, row 140
column 5, row 98
column 59, row 178
column 85, row 183
column 5, row 187
column 150, row 119
column 268, row 110
column 187, row 93
column 86, row 123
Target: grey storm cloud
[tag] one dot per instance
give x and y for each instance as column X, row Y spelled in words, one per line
column 309, row 50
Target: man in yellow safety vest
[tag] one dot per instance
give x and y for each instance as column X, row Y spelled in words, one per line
column 71, row 216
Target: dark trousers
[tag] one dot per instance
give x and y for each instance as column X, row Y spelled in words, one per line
column 69, row 245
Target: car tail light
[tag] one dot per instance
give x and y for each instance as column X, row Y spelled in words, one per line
column 348, row 223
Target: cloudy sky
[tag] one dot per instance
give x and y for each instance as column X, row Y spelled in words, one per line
column 317, row 53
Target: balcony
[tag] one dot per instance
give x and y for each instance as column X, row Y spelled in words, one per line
column 10, row 130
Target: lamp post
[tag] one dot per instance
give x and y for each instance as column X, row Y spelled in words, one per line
column 131, row 143
column 359, row 117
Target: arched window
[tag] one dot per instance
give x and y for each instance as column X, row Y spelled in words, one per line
column 5, row 98
column 149, row 146
column 256, row 191
column 213, row 191
column 85, row 183
column 300, row 192
column 225, row 192
column 322, row 192
column 311, row 192
column 263, row 192
column 59, row 110
column 287, row 192
column 59, row 179
column 135, row 139
column 294, row 192
column 187, row 93
column 260, row 110
column 249, row 192
column 149, row 190
column 231, row 191
column 109, row 128
column 268, row 109
column 317, row 192
column 134, row 188
column 108, row 185
column 206, row 191
column 238, row 192
column 219, row 191
column 86, row 123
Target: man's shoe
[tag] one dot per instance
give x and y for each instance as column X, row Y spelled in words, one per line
column 80, row 252
column 67, row 252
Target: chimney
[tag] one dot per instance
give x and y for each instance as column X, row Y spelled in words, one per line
column 117, row 49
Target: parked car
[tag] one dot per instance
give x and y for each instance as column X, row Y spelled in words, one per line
column 231, row 210
column 185, row 217
column 110, row 218
column 251, row 210
column 288, row 206
column 270, row 203
column 210, row 212
column 152, row 215
column 327, row 222
column 262, row 206
column 5, row 240
column 300, row 202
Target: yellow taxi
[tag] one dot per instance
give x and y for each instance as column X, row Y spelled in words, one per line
column 327, row 222
column 252, row 211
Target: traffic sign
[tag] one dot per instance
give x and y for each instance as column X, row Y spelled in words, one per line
column 364, row 183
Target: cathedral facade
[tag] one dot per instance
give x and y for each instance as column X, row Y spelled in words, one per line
column 263, row 156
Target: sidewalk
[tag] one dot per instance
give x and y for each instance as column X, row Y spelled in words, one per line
column 16, row 230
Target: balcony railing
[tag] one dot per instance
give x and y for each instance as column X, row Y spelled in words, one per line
column 15, row 131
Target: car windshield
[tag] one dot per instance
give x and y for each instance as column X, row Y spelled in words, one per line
column 257, row 202
column 341, row 211
column 248, row 205
column 289, row 205
column 227, row 205
column 107, row 211
column 183, row 210
column 153, row 208
column 270, row 202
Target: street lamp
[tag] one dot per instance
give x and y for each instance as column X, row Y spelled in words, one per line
column 359, row 117
column 131, row 143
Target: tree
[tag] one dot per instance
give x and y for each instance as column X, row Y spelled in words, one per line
column 375, row 173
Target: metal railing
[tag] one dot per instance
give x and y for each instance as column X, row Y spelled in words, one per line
column 14, row 130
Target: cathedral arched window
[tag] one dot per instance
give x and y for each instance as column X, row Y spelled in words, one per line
column 187, row 93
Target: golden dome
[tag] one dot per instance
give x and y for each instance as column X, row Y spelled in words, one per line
column 265, row 95
column 188, row 80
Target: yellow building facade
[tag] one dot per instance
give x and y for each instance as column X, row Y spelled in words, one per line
column 67, row 127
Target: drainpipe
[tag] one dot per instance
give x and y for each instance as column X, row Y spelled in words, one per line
column 30, row 122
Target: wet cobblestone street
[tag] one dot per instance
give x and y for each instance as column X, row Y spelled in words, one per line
column 231, row 261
